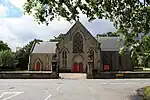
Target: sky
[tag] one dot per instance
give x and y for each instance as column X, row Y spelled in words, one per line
column 17, row 29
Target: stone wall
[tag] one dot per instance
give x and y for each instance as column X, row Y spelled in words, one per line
column 121, row 75
column 27, row 75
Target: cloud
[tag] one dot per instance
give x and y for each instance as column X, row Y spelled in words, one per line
column 9, row 10
column 18, row 31
column 3, row 10
column 18, row 3
column 100, row 26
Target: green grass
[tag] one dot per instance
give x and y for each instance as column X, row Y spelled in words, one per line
column 146, row 92
column 141, row 69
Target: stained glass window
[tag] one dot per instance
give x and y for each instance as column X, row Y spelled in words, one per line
column 64, row 58
column 78, row 43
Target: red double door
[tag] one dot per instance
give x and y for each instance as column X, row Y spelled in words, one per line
column 78, row 67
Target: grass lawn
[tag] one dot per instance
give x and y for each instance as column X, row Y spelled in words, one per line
column 146, row 93
column 142, row 69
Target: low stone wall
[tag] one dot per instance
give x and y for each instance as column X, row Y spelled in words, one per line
column 121, row 75
column 28, row 75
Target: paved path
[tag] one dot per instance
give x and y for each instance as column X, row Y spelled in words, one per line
column 72, row 75
column 66, row 89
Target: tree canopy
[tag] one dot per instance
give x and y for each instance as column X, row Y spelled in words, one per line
column 130, row 17
column 4, row 46
column 7, row 59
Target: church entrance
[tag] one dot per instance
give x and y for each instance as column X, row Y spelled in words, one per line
column 37, row 66
column 78, row 67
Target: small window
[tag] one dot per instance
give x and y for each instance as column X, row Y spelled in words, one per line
column 64, row 58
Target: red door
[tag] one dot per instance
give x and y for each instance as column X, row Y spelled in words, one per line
column 75, row 65
column 80, row 67
column 37, row 66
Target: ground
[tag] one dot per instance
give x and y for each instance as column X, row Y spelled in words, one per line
column 71, row 89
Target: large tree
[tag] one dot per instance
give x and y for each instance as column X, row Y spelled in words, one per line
column 7, row 59
column 130, row 17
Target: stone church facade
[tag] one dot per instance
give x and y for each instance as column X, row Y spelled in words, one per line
column 75, row 52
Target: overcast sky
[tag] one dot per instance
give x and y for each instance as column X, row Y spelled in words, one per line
column 17, row 29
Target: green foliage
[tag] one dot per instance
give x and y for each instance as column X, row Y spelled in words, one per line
column 4, row 46
column 130, row 17
column 22, row 55
column 7, row 59
column 108, row 34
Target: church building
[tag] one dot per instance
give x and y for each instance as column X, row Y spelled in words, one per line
column 77, row 50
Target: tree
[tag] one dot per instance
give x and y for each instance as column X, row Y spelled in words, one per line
column 4, row 46
column 130, row 17
column 108, row 34
column 7, row 59
column 22, row 55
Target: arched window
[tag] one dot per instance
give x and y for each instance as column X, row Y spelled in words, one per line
column 47, row 62
column 64, row 58
column 78, row 43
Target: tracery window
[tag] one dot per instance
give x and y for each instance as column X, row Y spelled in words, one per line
column 78, row 43
column 64, row 58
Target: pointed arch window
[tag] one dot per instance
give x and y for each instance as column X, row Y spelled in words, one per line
column 92, row 55
column 78, row 43
column 64, row 58
column 47, row 62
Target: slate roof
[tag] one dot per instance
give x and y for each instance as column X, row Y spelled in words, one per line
column 45, row 47
column 109, row 43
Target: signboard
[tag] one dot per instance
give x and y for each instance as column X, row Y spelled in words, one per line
column 119, row 75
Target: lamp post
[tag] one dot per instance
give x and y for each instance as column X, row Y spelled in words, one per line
column 54, row 63
column 90, row 67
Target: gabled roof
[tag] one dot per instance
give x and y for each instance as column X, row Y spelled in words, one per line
column 109, row 43
column 82, row 26
column 45, row 47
